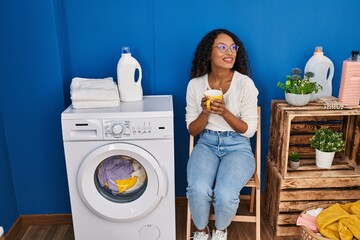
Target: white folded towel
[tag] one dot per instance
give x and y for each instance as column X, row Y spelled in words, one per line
column 94, row 89
column 95, row 94
column 95, row 104
column 92, row 83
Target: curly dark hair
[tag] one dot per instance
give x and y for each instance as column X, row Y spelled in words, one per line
column 201, row 62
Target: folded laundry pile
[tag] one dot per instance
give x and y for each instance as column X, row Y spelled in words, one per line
column 94, row 93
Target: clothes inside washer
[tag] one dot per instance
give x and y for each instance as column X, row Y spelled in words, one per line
column 140, row 173
column 125, row 184
column 121, row 174
column 112, row 169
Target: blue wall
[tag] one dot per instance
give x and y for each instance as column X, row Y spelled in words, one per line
column 47, row 42
column 8, row 207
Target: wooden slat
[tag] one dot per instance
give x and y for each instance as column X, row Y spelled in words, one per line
column 310, row 126
column 315, row 182
column 326, row 113
column 300, row 139
column 323, row 174
column 310, row 168
column 275, row 133
column 325, row 194
column 355, row 153
column 287, row 218
column 252, row 183
column 300, row 206
column 316, row 119
column 283, row 157
column 272, row 194
column 288, row 231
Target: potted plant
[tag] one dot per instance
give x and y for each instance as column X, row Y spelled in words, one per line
column 294, row 160
column 298, row 90
column 326, row 142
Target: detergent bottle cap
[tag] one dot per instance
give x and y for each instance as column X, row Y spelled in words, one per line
column 318, row 50
column 125, row 50
column 354, row 55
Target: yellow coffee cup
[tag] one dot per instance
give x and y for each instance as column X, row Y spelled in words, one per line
column 212, row 94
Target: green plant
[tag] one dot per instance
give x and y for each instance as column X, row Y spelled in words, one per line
column 327, row 140
column 297, row 85
column 294, row 156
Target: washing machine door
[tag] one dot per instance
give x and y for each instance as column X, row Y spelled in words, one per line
column 121, row 182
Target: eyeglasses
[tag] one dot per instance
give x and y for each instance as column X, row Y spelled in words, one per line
column 223, row 47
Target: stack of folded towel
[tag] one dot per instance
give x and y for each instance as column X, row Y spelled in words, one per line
column 94, row 93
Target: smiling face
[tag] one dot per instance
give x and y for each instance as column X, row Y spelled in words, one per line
column 223, row 60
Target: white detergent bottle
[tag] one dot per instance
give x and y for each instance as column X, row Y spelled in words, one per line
column 129, row 88
column 323, row 69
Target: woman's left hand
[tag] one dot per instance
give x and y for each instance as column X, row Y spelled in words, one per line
column 217, row 106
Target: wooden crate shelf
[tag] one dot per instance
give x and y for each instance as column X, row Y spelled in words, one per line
column 285, row 198
column 288, row 192
column 291, row 128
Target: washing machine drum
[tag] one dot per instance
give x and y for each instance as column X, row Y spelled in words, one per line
column 121, row 182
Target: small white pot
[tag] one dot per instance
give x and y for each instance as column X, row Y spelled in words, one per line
column 324, row 159
column 294, row 165
column 298, row 99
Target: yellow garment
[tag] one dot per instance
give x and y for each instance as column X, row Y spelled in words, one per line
column 340, row 221
column 125, row 184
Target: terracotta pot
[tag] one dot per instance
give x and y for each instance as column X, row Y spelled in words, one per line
column 298, row 99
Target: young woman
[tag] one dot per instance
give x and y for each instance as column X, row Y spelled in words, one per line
column 222, row 161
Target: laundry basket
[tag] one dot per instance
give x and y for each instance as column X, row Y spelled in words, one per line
column 307, row 234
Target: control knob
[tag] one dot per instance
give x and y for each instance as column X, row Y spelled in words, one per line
column 117, row 128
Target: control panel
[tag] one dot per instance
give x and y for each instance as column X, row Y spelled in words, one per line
column 137, row 128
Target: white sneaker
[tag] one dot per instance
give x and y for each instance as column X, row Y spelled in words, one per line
column 219, row 235
column 201, row 235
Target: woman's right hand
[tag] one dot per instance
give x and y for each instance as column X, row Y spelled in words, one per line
column 199, row 124
column 203, row 105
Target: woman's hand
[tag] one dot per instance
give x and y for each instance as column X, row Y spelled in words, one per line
column 217, row 106
column 199, row 124
column 203, row 105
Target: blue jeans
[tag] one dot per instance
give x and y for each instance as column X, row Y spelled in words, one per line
column 220, row 164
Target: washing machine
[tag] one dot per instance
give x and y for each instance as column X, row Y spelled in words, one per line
column 120, row 170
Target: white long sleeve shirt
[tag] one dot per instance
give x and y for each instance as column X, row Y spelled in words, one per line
column 240, row 99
